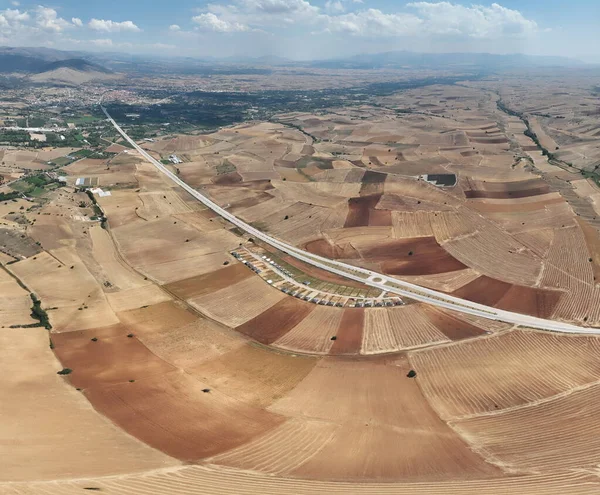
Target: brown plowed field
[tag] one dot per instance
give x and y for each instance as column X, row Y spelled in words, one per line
column 209, row 282
column 171, row 413
column 228, row 179
column 507, row 190
column 427, row 257
column 349, row 334
column 484, row 290
column 526, row 300
column 523, row 193
column 276, row 321
column 380, row 218
column 359, row 210
column 504, row 371
column 452, row 327
column 254, row 375
column 530, row 301
column 111, row 359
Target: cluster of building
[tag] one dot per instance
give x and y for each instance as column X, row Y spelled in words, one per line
column 281, row 278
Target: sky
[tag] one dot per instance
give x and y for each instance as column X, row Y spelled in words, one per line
column 305, row 29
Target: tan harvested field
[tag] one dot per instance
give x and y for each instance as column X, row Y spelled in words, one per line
column 353, row 395
column 67, row 289
column 313, row 334
column 254, row 375
column 15, row 305
column 389, row 330
column 223, row 481
column 238, row 303
column 506, row 371
column 546, row 436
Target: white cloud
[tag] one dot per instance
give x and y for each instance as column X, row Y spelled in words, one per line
column 475, row 21
column 174, row 27
column 210, row 22
column 278, row 7
column 435, row 19
column 77, row 21
column 112, row 26
column 48, row 20
column 373, row 22
column 14, row 3
column 334, row 7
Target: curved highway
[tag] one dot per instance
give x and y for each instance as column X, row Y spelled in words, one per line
column 367, row 277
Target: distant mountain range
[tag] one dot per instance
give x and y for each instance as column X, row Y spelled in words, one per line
column 41, row 60
column 402, row 59
column 47, row 66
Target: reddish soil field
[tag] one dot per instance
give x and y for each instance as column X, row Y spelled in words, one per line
column 359, row 210
column 484, row 290
column 530, row 301
column 502, row 295
column 349, row 334
column 279, row 319
column 319, row 274
column 380, row 218
column 427, row 257
column 113, row 358
column 452, row 327
column 209, row 282
column 332, row 251
column 171, row 413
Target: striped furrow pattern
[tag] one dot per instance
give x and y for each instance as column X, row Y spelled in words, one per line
column 568, row 267
column 210, row 480
column 512, row 369
column 558, row 434
column 392, row 329
column 282, row 450
column 313, row 334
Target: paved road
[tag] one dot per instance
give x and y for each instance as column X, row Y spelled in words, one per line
column 368, row 277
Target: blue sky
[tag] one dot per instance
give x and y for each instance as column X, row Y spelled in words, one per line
column 303, row 29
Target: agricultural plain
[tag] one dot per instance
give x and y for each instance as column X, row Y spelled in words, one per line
column 194, row 359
